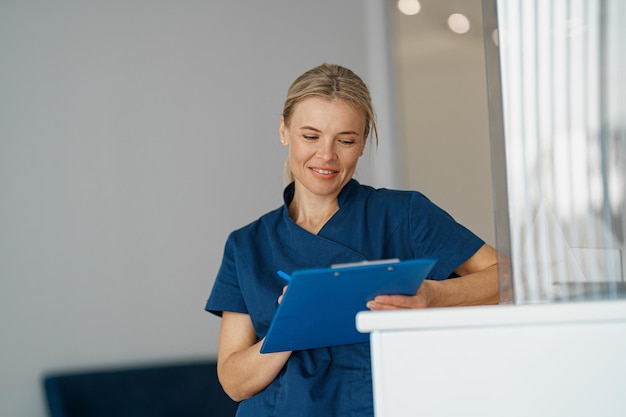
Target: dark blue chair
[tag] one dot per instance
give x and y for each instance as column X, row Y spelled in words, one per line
column 167, row 390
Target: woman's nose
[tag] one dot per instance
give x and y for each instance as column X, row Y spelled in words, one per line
column 326, row 149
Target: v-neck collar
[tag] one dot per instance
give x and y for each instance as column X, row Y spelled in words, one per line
column 322, row 249
column 342, row 200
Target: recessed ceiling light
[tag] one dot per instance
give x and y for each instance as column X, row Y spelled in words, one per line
column 409, row 7
column 458, row 23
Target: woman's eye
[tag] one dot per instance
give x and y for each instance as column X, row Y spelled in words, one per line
column 346, row 142
column 310, row 137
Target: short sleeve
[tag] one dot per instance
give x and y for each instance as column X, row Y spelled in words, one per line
column 226, row 293
column 435, row 234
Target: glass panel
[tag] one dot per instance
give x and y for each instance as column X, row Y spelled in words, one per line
column 562, row 66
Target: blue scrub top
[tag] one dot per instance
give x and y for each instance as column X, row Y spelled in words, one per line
column 370, row 224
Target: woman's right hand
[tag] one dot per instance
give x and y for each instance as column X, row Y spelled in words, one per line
column 280, row 297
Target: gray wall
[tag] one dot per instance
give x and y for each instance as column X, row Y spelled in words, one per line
column 134, row 135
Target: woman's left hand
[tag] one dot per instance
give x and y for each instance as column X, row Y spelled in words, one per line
column 421, row 299
column 477, row 284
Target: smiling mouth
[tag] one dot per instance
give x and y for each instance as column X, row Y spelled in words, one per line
column 323, row 171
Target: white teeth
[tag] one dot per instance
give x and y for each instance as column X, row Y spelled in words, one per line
column 323, row 171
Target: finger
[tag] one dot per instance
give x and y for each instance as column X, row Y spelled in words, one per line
column 401, row 301
column 375, row 306
column 280, row 297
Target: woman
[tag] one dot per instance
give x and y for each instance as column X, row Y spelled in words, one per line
column 329, row 218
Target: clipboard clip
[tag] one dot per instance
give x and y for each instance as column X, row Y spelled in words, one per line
column 365, row 263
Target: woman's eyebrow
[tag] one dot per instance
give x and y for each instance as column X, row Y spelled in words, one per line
column 310, row 128
column 349, row 132
column 345, row 132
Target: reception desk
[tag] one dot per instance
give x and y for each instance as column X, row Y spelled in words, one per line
column 551, row 360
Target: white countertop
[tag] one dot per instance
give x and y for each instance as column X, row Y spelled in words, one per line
column 498, row 315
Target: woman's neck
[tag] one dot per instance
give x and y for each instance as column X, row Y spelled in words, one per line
column 312, row 212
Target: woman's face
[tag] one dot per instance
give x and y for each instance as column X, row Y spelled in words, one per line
column 325, row 138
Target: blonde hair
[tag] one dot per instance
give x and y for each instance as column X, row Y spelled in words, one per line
column 331, row 81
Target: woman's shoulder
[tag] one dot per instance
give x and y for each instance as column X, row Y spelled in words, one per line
column 265, row 222
column 388, row 196
column 392, row 203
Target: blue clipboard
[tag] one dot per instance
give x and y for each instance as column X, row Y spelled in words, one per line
column 320, row 305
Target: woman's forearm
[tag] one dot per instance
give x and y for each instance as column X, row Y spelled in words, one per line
column 247, row 372
column 241, row 368
column 479, row 288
